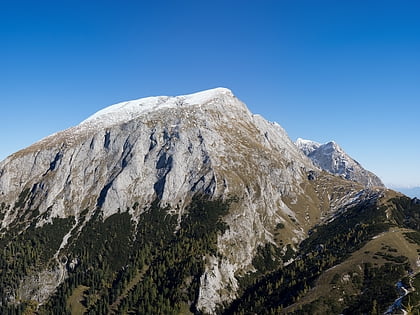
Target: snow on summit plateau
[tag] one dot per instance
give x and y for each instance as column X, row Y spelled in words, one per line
column 126, row 111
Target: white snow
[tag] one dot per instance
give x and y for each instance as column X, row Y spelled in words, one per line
column 129, row 110
column 307, row 146
column 301, row 141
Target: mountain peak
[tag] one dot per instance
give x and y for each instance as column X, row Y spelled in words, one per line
column 333, row 159
column 307, row 146
column 301, row 141
column 332, row 143
column 125, row 111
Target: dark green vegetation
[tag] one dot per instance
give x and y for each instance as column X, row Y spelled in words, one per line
column 117, row 265
column 327, row 246
column 153, row 266
column 23, row 254
column 377, row 293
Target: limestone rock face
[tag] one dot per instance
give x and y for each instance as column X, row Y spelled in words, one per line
column 171, row 148
column 333, row 159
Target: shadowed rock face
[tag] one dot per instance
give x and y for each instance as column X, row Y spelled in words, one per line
column 171, row 148
column 332, row 158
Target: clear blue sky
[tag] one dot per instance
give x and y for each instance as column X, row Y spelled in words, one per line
column 347, row 71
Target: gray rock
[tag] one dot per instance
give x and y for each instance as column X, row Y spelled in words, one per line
column 331, row 157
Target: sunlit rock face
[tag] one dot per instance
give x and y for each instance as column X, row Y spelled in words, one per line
column 333, row 159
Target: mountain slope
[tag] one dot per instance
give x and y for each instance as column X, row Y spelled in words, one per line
column 162, row 205
column 355, row 264
column 332, row 158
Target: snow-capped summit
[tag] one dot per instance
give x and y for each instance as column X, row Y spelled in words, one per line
column 333, row 159
column 126, row 111
column 307, row 146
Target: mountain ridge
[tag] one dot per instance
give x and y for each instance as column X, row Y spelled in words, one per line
column 333, row 159
column 128, row 110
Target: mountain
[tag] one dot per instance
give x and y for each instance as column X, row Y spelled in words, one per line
column 332, row 158
column 413, row 192
column 192, row 204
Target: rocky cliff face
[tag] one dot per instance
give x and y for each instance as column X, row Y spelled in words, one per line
column 332, row 158
column 171, row 149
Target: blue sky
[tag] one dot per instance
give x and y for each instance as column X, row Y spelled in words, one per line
column 347, row 71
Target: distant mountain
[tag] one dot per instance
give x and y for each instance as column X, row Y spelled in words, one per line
column 333, row 159
column 191, row 204
column 413, row 192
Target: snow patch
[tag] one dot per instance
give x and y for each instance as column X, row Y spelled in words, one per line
column 126, row 111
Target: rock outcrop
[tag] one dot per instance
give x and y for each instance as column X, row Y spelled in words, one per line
column 332, row 158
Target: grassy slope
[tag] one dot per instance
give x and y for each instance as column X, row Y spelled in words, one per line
column 74, row 302
column 365, row 249
column 352, row 267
